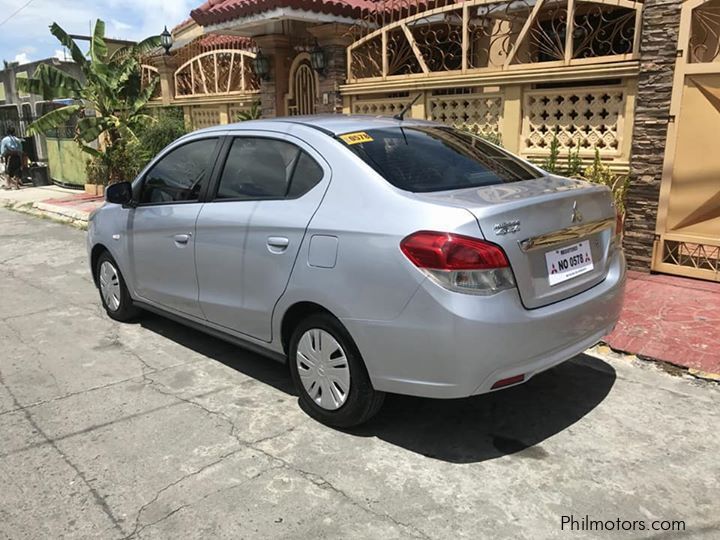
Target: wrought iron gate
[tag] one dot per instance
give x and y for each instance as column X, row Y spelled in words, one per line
column 303, row 88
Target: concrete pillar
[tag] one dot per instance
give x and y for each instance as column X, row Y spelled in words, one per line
column 333, row 39
column 276, row 47
column 166, row 66
column 512, row 118
column 658, row 46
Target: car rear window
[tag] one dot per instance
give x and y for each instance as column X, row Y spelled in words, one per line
column 429, row 158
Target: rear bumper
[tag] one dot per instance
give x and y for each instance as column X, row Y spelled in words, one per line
column 450, row 345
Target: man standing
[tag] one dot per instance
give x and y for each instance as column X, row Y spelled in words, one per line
column 11, row 151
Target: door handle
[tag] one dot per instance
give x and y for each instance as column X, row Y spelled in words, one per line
column 277, row 244
column 182, row 238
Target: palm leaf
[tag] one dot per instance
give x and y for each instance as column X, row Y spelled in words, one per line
column 146, row 45
column 94, row 152
column 70, row 44
column 90, row 128
column 145, row 96
column 98, row 47
column 51, row 83
column 53, row 119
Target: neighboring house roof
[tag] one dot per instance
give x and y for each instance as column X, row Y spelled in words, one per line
column 219, row 11
column 183, row 25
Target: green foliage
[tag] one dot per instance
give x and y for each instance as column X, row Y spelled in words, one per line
column 111, row 87
column 169, row 125
column 253, row 113
column 599, row 173
column 124, row 160
column 118, row 163
column 574, row 167
column 550, row 164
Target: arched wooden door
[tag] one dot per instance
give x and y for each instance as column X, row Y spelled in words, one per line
column 303, row 92
column 688, row 227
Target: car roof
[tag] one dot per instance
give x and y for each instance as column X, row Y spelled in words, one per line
column 331, row 124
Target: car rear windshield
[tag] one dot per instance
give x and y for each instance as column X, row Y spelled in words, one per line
column 429, row 158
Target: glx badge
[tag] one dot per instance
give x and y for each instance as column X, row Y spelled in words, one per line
column 506, row 227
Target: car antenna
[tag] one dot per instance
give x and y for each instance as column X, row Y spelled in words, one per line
column 401, row 115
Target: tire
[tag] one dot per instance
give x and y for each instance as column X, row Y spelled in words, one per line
column 333, row 407
column 116, row 298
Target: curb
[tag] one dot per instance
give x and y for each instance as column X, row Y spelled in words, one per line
column 668, row 367
column 49, row 211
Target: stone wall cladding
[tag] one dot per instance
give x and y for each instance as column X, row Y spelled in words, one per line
column 658, row 46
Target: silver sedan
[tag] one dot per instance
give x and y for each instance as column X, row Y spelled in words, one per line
column 372, row 255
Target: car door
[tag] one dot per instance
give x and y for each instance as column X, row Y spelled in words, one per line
column 248, row 237
column 162, row 226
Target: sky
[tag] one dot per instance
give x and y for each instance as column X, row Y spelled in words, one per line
column 26, row 36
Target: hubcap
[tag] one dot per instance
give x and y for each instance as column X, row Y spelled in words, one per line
column 110, row 285
column 323, row 369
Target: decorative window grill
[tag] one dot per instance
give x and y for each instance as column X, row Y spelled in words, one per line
column 149, row 75
column 380, row 106
column 414, row 38
column 216, row 73
column 691, row 255
column 705, row 33
column 590, row 117
column 479, row 113
column 204, row 117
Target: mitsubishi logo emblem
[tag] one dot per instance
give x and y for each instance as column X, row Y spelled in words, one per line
column 577, row 216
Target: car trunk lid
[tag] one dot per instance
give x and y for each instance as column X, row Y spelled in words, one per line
column 556, row 232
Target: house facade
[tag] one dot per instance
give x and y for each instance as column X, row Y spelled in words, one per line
column 636, row 81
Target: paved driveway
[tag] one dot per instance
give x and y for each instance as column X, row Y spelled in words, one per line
column 157, row 431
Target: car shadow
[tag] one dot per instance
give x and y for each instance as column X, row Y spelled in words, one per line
column 470, row 430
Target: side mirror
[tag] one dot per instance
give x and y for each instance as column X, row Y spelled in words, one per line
column 120, row 193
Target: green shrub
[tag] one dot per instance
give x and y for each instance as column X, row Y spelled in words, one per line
column 119, row 163
column 599, row 173
column 253, row 113
column 169, row 125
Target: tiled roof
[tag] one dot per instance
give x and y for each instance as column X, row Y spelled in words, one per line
column 187, row 22
column 218, row 11
column 231, row 42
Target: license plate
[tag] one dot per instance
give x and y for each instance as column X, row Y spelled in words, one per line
column 568, row 262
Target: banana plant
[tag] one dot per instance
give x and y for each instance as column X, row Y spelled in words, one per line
column 111, row 88
column 253, row 113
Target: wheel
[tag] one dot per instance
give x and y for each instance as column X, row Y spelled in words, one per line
column 330, row 375
column 113, row 291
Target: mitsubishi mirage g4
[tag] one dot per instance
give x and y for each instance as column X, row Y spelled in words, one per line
column 372, row 255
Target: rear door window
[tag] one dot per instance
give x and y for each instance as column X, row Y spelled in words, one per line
column 260, row 168
column 429, row 158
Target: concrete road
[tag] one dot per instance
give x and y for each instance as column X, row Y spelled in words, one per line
column 152, row 430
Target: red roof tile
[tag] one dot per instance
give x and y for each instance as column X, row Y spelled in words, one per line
column 218, row 11
column 187, row 22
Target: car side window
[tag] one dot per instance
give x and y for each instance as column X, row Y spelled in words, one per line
column 257, row 168
column 179, row 175
column 306, row 176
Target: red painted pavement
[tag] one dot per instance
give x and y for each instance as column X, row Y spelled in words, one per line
column 82, row 201
column 672, row 319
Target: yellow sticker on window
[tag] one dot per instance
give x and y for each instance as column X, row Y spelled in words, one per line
column 356, row 138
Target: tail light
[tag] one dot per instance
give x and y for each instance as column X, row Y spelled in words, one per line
column 459, row 263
